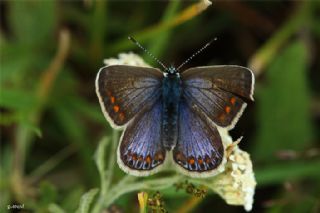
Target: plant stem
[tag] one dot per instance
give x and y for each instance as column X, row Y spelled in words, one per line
column 155, row 184
column 268, row 51
column 51, row 163
column 24, row 135
column 185, row 15
column 112, row 157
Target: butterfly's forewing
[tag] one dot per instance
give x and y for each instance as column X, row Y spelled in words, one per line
column 199, row 150
column 125, row 91
column 218, row 92
column 141, row 152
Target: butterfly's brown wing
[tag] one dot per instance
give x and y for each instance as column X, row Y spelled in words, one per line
column 219, row 92
column 125, row 91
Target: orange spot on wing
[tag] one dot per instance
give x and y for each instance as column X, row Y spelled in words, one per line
column 191, row 161
column 222, row 117
column 200, row 161
column 180, row 158
column 112, row 99
column 134, row 157
column 159, row 157
column 233, row 100
column 121, row 116
column 116, row 108
column 227, row 109
column 148, row 159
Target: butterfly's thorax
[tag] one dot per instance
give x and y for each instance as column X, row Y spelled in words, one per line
column 171, row 92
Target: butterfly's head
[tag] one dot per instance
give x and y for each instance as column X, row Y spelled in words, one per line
column 171, row 70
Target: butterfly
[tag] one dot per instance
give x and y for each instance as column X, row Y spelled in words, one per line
column 173, row 115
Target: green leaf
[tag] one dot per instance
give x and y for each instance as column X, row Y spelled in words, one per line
column 48, row 193
column 98, row 30
column 283, row 105
column 289, row 171
column 54, row 208
column 75, row 131
column 33, row 22
column 100, row 159
column 33, row 128
column 17, row 99
column 15, row 62
column 92, row 111
column 22, row 118
column 86, row 201
column 71, row 198
column 159, row 43
column 106, row 174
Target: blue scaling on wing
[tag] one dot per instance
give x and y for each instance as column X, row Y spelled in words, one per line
column 141, row 149
column 218, row 92
column 199, row 147
column 125, row 91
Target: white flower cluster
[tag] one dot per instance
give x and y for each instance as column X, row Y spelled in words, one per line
column 236, row 185
column 243, row 177
column 126, row 59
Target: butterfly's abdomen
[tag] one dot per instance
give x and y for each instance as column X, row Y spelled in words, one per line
column 171, row 92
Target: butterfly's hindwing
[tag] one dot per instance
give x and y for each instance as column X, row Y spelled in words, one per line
column 125, row 91
column 199, row 148
column 141, row 151
column 218, row 92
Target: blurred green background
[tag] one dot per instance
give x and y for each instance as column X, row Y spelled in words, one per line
column 51, row 122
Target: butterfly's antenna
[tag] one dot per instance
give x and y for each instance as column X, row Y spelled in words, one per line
column 149, row 53
column 196, row 53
